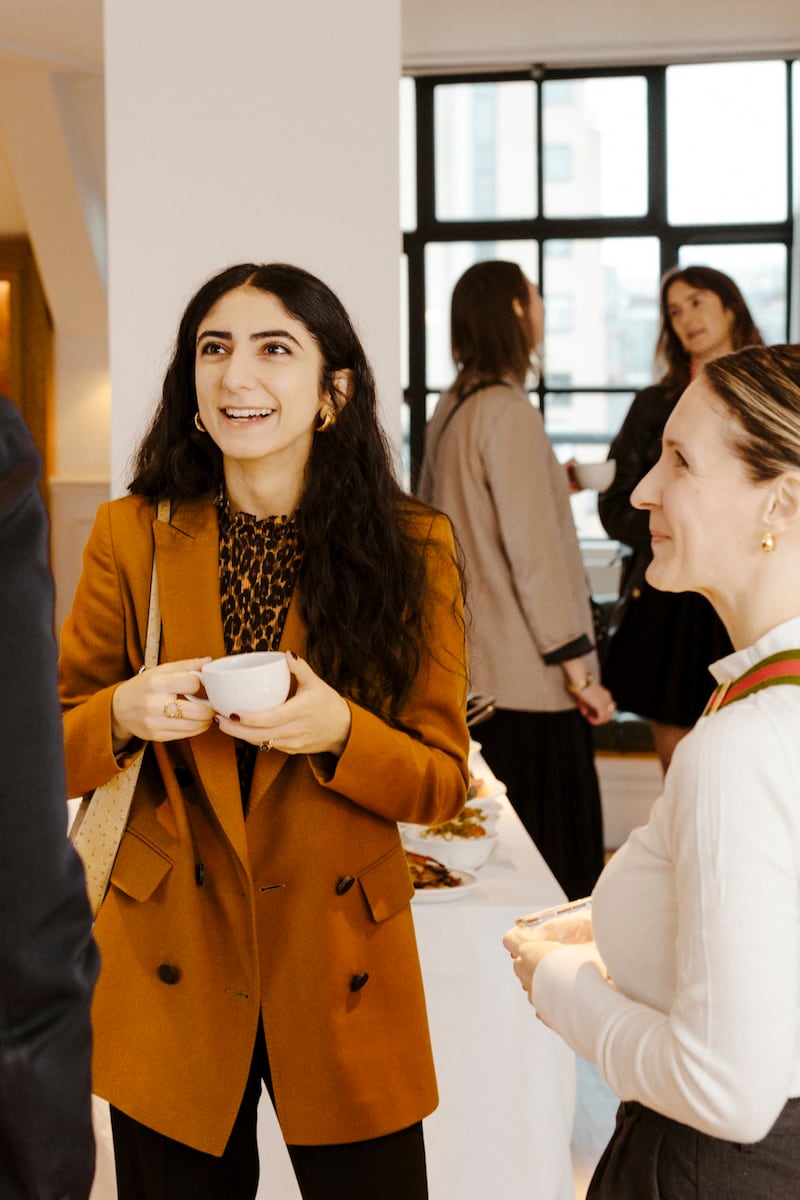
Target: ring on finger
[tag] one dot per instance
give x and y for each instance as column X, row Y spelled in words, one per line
column 266, row 746
column 173, row 709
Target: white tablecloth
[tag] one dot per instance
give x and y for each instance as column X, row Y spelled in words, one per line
column 506, row 1082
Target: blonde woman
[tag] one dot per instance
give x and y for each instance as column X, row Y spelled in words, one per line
column 688, row 996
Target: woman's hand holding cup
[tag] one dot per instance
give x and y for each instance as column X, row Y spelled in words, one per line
column 314, row 720
column 532, row 938
column 153, row 705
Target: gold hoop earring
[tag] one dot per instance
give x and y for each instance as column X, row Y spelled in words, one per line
column 198, row 424
column 768, row 542
column 328, row 418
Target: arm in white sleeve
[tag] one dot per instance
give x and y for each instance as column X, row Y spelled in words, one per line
column 721, row 1055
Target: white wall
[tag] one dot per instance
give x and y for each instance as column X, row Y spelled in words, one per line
column 247, row 132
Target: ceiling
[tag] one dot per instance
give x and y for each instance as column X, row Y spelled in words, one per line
column 441, row 32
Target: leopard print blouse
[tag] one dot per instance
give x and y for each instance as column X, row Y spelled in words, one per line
column 258, row 564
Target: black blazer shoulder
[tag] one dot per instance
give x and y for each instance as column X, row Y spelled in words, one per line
column 635, row 449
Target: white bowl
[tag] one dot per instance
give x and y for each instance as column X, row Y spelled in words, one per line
column 489, row 806
column 460, row 853
column 597, row 476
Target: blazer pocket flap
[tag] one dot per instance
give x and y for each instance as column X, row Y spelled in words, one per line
column 140, row 867
column 386, row 884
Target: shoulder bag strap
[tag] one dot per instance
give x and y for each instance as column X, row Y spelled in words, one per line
column 479, row 387
column 100, row 822
column 783, row 667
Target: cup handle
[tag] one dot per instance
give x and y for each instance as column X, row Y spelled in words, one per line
column 195, row 697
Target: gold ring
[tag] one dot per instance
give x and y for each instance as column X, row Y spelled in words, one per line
column 173, row 710
column 266, row 746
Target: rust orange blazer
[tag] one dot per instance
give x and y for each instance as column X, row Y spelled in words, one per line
column 299, row 913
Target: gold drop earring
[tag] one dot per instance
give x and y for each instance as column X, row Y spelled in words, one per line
column 768, row 542
column 198, row 424
column 328, row 418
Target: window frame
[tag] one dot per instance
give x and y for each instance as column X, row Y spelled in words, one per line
column 653, row 223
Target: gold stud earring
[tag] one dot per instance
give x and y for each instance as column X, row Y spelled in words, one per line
column 328, row 418
column 768, row 542
column 198, row 424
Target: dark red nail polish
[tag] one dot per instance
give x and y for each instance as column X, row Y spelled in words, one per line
column 215, row 720
column 293, row 655
column 234, row 717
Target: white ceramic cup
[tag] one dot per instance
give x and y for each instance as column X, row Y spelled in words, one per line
column 246, row 682
column 597, row 476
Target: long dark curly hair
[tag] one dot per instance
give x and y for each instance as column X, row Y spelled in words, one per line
column 362, row 581
column 672, row 360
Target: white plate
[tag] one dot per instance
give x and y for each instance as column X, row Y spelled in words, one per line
column 443, row 894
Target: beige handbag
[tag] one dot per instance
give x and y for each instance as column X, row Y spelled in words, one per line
column 100, row 821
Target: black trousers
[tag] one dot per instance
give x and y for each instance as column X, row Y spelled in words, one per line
column 153, row 1167
column 651, row 1157
column 546, row 760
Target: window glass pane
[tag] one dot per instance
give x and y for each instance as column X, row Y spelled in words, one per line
column 584, row 421
column 445, row 263
column 595, row 147
column 408, row 160
column 485, row 150
column 759, row 271
column 726, row 143
column 601, row 311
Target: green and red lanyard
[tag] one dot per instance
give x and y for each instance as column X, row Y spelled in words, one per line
column 783, row 667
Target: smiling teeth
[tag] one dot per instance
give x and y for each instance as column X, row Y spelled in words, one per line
column 247, row 414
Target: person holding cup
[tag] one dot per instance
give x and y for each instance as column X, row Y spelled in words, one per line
column 685, row 987
column 703, row 315
column 257, row 927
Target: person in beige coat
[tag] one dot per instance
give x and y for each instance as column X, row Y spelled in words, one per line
column 257, row 926
column 490, row 466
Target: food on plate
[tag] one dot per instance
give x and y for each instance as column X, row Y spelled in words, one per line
column 468, row 824
column 474, row 812
column 426, row 872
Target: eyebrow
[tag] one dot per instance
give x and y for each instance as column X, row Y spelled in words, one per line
column 224, row 335
column 672, row 443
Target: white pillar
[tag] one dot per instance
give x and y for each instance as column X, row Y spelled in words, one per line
column 247, row 131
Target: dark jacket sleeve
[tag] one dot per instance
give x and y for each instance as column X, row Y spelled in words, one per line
column 48, row 960
column 635, row 449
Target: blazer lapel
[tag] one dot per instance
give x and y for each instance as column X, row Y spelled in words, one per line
column 187, row 561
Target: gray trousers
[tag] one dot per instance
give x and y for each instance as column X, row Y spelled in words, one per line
column 651, row 1157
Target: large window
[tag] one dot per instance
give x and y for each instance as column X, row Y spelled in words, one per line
column 595, row 182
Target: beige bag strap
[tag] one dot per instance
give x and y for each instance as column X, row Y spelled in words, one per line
column 100, row 822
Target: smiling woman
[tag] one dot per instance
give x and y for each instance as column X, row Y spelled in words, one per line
column 696, row 918
column 259, row 908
